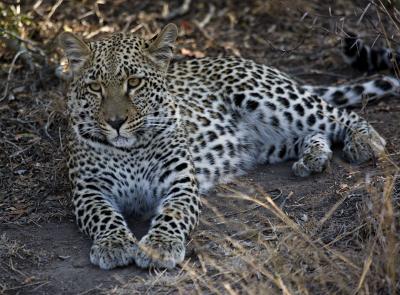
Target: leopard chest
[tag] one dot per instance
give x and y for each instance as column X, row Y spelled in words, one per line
column 127, row 179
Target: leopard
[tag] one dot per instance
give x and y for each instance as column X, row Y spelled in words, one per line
column 151, row 136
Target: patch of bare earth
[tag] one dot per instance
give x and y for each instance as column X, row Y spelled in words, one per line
column 268, row 232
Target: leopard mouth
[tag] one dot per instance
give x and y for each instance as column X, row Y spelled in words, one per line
column 125, row 137
column 122, row 141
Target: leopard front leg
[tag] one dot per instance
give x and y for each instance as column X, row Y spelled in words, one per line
column 177, row 214
column 113, row 243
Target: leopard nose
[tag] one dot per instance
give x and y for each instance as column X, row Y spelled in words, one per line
column 116, row 123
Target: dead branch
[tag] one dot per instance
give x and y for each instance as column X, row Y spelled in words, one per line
column 5, row 94
column 207, row 18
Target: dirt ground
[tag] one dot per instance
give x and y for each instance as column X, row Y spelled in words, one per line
column 268, row 232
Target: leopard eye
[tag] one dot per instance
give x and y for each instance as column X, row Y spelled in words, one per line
column 134, row 82
column 96, row 87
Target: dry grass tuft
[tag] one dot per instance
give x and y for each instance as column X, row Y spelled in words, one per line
column 14, row 258
column 265, row 251
column 12, row 248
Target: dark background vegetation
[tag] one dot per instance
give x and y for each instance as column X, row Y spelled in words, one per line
column 267, row 233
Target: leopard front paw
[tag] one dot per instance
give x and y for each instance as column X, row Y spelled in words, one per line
column 112, row 252
column 311, row 164
column 159, row 252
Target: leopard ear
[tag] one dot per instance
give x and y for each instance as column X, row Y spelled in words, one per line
column 160, row 48
column 76, row 50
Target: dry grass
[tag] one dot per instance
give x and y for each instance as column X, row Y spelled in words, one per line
column 343, row 241
column 265, row 251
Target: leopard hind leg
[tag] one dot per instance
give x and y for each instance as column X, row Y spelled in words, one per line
column 362, row 142
column 313, row 153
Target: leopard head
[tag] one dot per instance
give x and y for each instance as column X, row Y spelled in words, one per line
column 118, row 84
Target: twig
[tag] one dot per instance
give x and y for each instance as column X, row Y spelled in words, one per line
column 286, row 51
column 395, row 65
column 366, row 268
column 183, row 9
column 129, row 21
column 207, row 18
column 5, row 94
column 331, row 211
column 363, row 14
column 40, row 286
column 393, row 19
column 41, row 283
column 98, row 12
column 53, row 9
column 237, row 213
column 97, row 288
